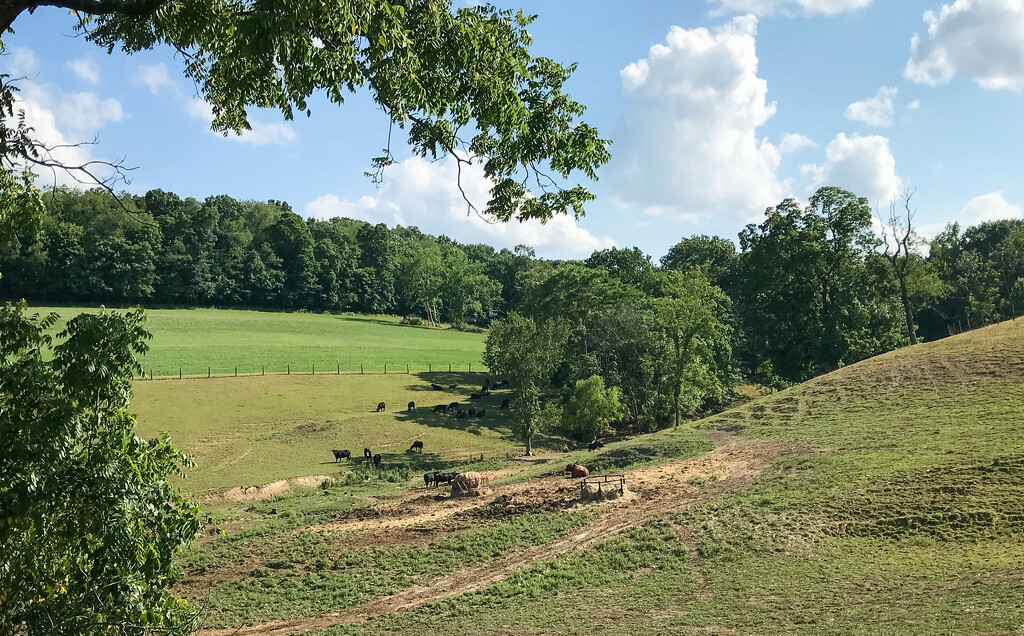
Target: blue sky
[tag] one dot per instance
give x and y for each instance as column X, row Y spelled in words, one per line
column 738, row 104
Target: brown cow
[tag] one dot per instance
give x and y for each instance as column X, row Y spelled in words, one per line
column 575, row 470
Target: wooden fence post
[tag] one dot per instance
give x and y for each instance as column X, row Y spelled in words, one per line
column 360, row 368
column 207, row 372
column 314, row 369
column 263, row 370
column 179, row 373
column 385, row 368
column 289, row 369
column 236, row 370
column 339, row 369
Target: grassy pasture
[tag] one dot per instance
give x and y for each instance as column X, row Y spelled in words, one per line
column 196, row 339
column 898, row 509
column 256, row 430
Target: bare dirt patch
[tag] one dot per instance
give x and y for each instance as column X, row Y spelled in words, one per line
column 660, row 491
column 266, row 492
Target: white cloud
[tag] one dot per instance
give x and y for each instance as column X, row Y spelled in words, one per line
column 686, row 144
column 86, row 69
column 988, row 207
column 155, row 76
column 419, row 193
column 20, row 62
column 262, row 133
column 792, row 142
column 80, row 115
column 914, row 105
column 983, row 39
column 62, row 121
column 980, row 209
column 766, row 7
column 874, row 111
column 862, row 165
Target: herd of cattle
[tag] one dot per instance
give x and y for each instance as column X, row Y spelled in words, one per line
column 437, row 478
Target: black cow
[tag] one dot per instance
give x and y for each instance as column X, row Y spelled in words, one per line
column 376, row 460
column 472, row 412
column 441, row 408
column 436, row 387
column 487, row 384
column 445, row 478
column 481, row 412
column 594, row 445
column 478, row 395
column 454, row 406
column 453, row 386
column 428, row 479
column 504, row 403
column 341, row 454
column 417, row 445
column 381, row 407
column 367, row 454
column 460, row 414
column 411, row 406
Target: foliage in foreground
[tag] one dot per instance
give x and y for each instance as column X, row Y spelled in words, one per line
column 88, row 521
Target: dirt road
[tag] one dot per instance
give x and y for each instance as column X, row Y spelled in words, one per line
column 659, row 492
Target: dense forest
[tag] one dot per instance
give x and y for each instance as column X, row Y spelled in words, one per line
column 807, row 290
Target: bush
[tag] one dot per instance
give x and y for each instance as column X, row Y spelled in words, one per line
column 367, row 473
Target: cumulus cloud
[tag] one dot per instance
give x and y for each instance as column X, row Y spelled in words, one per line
column 982, row 39
column 80, row 115
column 792, row 142
column 862, row 165
column 262, row 133
column 86, row 69
column 914, row 105
column 874, row 111
column 767, row 7
column 155, row 77
column 419, row 193
column 988, row 207
column 686, row 143
column 20, row 62
column 62, row 121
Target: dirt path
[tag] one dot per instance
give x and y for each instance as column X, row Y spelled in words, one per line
column 660, row 491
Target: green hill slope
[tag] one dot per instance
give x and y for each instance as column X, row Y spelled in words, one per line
column 896, row 507
column 194, row 340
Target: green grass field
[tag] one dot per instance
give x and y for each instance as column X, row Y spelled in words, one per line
column 255, row 430
column 895, row 506
column 194, row 340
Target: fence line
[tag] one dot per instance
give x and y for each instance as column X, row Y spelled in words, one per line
column 381, row 369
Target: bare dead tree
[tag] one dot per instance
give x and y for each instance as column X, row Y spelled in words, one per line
column 897, row 237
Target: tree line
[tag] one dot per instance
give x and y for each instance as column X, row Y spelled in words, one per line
column 808, row 290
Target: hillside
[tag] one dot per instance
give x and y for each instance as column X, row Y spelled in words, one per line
column 887, row 497
column 195, row 340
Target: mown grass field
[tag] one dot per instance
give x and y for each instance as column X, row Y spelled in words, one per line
column 195, row 340
column 256, row 430
column 894, row 505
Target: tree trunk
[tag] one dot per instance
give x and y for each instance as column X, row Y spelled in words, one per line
column 905, row 298
column 675, row 403
column 529, row 446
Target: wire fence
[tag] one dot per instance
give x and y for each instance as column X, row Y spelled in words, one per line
column 310, row 369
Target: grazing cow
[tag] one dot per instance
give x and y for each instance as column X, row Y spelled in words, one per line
column 481, row 412
column 454, row 406
column 487, row 384
column 460, row 414
column 376, row 460
column 444, row 478
column 428, row 479
column 504, row 403
column 411, row 406
column 381, row 407
column 367, row 454
column 341, row 454
column 417, row 445
column 594, row 445
column 478, row 395
column 436, row 387
column 453, row 386
column 575, row 470
column 441, row 408
column 472, row 412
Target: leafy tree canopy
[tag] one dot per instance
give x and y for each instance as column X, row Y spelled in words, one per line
column 460, row 83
